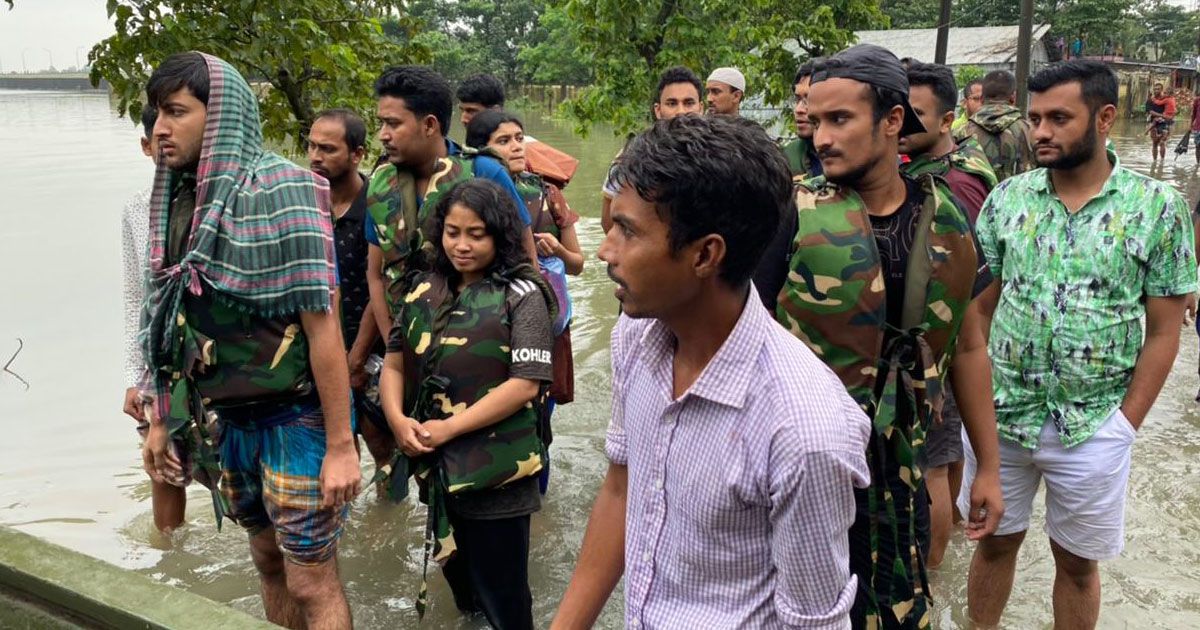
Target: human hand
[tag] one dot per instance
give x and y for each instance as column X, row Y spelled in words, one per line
column 341, row 478
column 133, row 404
column 987, row 506
column 158, row 458
column 408, row 434
column 1189, row 310
column 547, row 244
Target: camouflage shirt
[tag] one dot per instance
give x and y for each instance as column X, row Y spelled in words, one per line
column 967, row 172
column 1002, row 132
column 1067, row 331
column 802, row 158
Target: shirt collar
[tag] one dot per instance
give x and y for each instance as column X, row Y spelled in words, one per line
column 726, row 379
column 1043, row 184
column 357, row 211
column 452, row 147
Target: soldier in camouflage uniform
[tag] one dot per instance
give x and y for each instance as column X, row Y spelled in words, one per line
column 882, row 271
column 1000, row 128
column 463, row 389
column 422, row 164
column 801, row 156
column 969, row 178
column 239, row 329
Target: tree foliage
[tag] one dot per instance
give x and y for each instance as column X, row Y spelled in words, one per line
column 306, row 54
column 629, row 43
column 911, row 13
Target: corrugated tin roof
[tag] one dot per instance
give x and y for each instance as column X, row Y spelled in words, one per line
column 969, row 45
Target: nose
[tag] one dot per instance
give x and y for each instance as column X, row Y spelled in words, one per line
column 161, row 130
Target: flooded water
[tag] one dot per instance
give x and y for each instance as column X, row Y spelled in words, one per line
column 69, row 463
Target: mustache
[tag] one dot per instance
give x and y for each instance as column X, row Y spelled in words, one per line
column 829, row 153
column 611, row 276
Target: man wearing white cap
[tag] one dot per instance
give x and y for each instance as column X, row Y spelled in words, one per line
column 724, row 90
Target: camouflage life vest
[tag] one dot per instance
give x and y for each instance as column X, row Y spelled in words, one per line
column 967, row 157
column 458, row 351
column 399, row 219
column 1003, row 135
column 834, row 300
column 800, row 159
column 534, row 192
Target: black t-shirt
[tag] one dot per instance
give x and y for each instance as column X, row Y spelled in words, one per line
column 350, row 246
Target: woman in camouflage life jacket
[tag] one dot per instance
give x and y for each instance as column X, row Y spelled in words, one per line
column 559, row 252
column 463, row 388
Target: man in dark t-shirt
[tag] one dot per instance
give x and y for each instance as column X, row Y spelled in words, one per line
column 336, row 147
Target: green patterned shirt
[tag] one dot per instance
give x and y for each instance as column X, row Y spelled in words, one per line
column 1067, row 331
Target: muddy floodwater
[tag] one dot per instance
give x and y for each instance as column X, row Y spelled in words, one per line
column 70, row 467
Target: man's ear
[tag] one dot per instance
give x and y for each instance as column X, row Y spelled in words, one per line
column 709, row 256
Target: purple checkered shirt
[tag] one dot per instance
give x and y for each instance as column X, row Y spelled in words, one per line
column 741, row 491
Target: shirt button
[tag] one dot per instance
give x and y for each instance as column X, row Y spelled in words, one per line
column 658, row 484
column 633, row 623
column 646, row 556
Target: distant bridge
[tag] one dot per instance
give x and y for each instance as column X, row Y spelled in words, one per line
column 49, row 81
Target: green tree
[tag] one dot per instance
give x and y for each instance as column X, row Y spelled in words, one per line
column 555, row 58
column 911, row 13
column 965, row 74
column 306, row 54
column 628, row 43
column 1164, row 24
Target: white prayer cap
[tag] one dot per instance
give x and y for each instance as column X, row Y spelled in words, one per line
column 729, row 76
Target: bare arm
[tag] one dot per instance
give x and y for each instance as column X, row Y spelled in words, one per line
column 368, row 332
column 971, row 378
column 340, row 475
column 391, row 398
column 572, row 253
column 602, row 557
column 498, row 404
column 1164, row 315
column 377, row 289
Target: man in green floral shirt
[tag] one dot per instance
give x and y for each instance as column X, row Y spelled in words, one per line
column 1083, row 249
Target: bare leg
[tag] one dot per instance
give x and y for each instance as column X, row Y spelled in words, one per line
column 381, row 446
column 169, row 502
column 318, row 589
column 990, row 581
column 937, row 483
column 1076, row 590
column 281, row 609
column 955, row 477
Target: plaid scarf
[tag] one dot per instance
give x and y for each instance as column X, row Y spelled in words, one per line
column 261, row 238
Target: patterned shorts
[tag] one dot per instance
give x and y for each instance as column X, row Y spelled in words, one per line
column 271, row 477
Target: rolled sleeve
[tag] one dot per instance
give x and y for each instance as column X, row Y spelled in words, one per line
column 812, row 508
column 616, row 446
column 1171, row 263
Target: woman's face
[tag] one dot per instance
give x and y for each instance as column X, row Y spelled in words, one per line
column 509, row 141
column 467, row 243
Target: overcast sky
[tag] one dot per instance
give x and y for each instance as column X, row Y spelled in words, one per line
column 69, row 28
column 60, row 26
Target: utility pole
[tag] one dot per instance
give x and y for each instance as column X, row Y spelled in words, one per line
column 1024, row 44
column 943, row 33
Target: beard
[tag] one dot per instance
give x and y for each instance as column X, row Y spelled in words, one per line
column 851, row 178
column 1073, row 155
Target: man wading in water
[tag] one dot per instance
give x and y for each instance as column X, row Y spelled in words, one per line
column 240, row 324
column 881, row 285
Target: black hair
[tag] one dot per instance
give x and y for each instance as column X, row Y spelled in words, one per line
column 970, row 84
column 498, row 212
column 998, row 85
column 424, row 90
column 484, row 89
column 806, row 69
column 485, row 123
column 352, row 124
column 908, row 62
column 938, row 78
column 1096, row 81
column 677, row 74
column 149, row 117
column 181, row 70
column 883, row 101
column 711, row 175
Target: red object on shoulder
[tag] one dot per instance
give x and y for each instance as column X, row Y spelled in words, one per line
column 553, row 165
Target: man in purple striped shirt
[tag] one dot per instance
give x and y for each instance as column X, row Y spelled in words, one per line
column 733, row 451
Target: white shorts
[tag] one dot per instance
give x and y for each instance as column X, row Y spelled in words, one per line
column 1085, row 487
